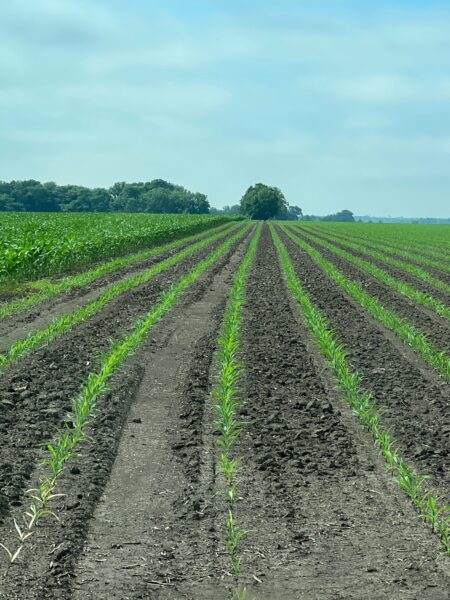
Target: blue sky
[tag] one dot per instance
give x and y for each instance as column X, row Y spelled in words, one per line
column 340, row 104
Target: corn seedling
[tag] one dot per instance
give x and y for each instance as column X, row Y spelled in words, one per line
column 409, row 253
column 226, row 400
column 401, row 287
column 241, row 594
column 234, row 536
column 411, row 243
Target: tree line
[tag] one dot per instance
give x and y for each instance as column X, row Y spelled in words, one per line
column 344, row 216
column 260, row 201
column 157, row 196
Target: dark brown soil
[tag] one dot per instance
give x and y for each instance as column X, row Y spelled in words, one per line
column 324, row 513
column 143, row 516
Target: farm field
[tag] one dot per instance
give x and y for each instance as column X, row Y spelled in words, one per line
column 238, row 410
column 35, row 245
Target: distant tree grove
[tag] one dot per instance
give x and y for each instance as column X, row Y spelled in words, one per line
column 157, row 197
column 345, row 216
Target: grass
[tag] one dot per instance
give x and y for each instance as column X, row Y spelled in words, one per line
column 65, row 323
column 227, row 402
column 64, row 447
column 399, row 286
column 439, row 360
column 364, row 406
column 47, row 289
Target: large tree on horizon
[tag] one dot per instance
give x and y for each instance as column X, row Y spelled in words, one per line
column 263, row 202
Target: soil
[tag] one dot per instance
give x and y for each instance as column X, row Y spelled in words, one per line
column 143, row 517
column 37, row 391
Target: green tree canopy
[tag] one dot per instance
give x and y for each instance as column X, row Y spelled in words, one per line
column 263, row 202
column 157, row 196
column 343, row 215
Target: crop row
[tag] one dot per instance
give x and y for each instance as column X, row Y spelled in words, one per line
column 65, row 444
column 67, row 322
column 364, row 406
column 410, row 253
column 227, row 403
column 412, row 269
column 439, row 360
column 412, row 237
column 50, row 289
column 39, row 245
column 396, row 284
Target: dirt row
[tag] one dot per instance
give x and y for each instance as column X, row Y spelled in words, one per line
column 394, row 271
column 143, row 516
column 413, row 398
column 436, row 328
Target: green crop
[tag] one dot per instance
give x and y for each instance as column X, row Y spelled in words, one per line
column 34, row 245
column 416, row 253
column 66, row 323
column 399, row 286
column 410, row 237
column 227, row 402
column 48, row 289
column 413, row 270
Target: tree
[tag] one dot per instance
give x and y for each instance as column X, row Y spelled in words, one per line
column 196, row 204
column 343, row 215
column 293, row 213
column 263, row 202
column 157, row 196
column 234, row 209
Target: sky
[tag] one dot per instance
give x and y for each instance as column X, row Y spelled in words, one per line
column 340, row 104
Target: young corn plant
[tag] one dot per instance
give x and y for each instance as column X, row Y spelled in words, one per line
column 227, row 402
column 412, row 269
column 241, row 594
column 363, row 404
column 422, row 254
column 84, row 405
